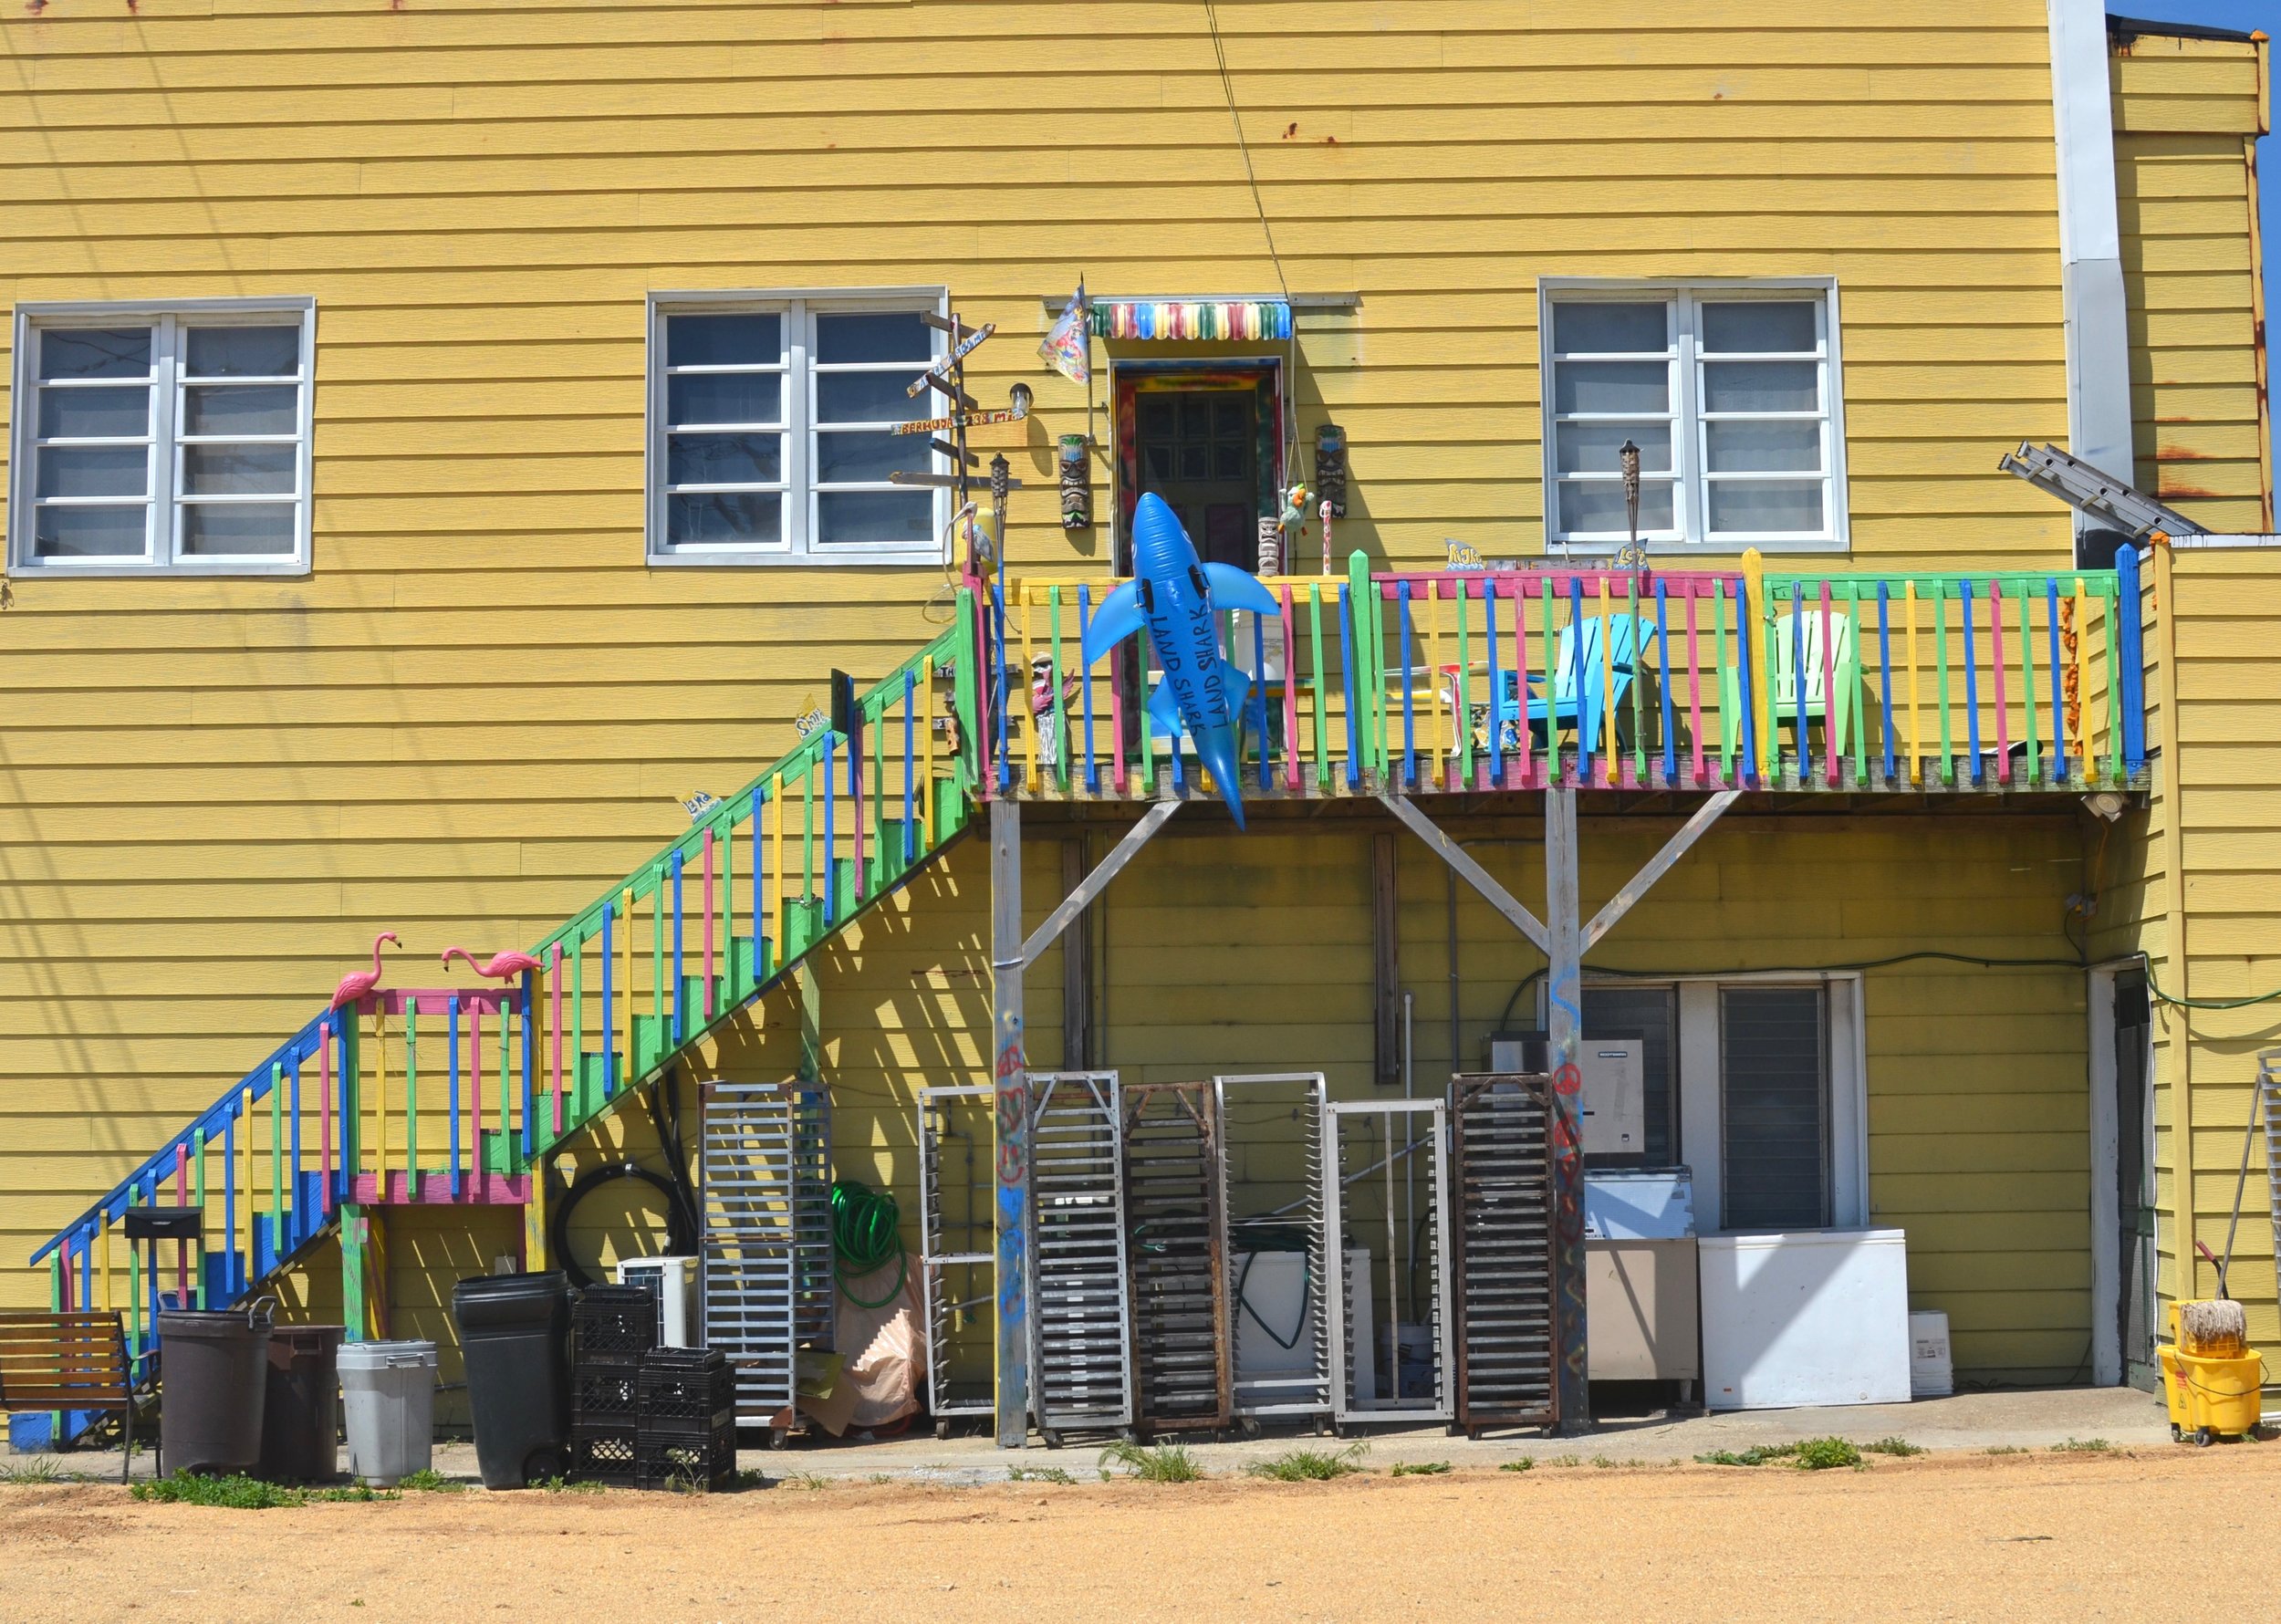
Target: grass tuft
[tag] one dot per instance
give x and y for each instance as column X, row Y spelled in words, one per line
column 429, row 1481
column 1169, row 1462
column 810, row 1480
column 235, row 1492
column 1421, row 1468
column 1894, row 1446
column 40, row 1469
column 2004, row 1449
column 1603, row 1462
column 1567, row 1460
column 1311, row 1465
column 559, row 1485
column 1820, row 1454
column 1054, row 1474
column 1525, row 1463
column 2082, row 1446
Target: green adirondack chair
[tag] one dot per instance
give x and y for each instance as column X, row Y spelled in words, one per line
column 1782, row 678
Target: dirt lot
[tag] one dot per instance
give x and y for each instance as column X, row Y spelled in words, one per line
column 2158, row 1532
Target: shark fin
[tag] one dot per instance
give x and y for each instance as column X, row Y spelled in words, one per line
column 1233, row 589
column 1118, row 619
column 1164, row 711
column 1239, row 689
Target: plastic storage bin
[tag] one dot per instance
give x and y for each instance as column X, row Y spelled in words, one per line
column 388, row 1394
column 300, row 1427
column 513, row 1333
column 214, row 1373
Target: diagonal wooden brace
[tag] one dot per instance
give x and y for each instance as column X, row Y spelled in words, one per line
column 1095, row 883
column 1470, row 871
column 1659, row 865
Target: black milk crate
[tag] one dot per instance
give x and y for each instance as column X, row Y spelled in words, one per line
column 706, row 1461
column 614, row 1325
column 686, row 1392
column 605, row 1452
column 605, row 1395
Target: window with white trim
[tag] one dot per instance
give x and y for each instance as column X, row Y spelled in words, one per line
column 156, row 439
column 1729, row 392
column 771, row 430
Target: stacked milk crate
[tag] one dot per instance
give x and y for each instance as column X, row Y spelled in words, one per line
column 644, row 1416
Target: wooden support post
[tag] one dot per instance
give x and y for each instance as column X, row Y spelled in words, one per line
column 1077, row 966
column 534, row 1218
column 1385, row 962
column 357, row 1282
column 1565, row 1030
column 811, row 1002
column 1010, row 1073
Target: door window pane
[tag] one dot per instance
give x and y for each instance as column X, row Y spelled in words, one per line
column 240, row 408
column 95, row 352
column 1760, row 386
column 238, row 529
column 1742, row 447
column 245, row 351
column 724, row 459
column 859, row 458
column 1600, row 506
column 239, row 470
column 1774, row 1107
column 725, row 398
column 1597, row 448
column 1650, row 1014
column 752, row 517
column 862, row 398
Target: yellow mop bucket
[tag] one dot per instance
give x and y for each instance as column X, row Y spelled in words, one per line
column 2211, row 1379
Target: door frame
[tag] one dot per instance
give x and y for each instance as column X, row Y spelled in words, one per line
column 1263, row 374
column 2105, row 1216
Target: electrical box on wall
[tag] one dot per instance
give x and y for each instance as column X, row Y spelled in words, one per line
column 1615, row 1084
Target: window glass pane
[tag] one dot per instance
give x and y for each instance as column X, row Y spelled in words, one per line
column 240, row 408
column 1765, row 448
column 874, row 517
column 239, row 470
column 740, row 338
column 1761, row 386
column 1611, row 387
column 1773, row 505
column 1759, row 325
column 94, row 471
column 1599, row 506
column 1775, row 1100
column 844, row 459
column 1648, row 1013
column 94, row 414
column 724, row 397
column 237, row 529
column 1621, row 329
column 863, row 397
column 95, row 352
column 874, row 336
column 245, row 351
column 90, row 532
column 754, row 517
column 1597, row 448
column 724, row 459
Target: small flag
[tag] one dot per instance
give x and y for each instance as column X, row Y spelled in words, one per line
column 1067, row 349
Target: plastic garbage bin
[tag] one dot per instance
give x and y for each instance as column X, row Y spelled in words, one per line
column 214, row 1372
column 515, row 1332
column 388, row 1400
column 300, row 1424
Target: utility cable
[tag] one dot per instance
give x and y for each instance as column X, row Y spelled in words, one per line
column 2155, row 987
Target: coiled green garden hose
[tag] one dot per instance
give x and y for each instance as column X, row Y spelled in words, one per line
column 866, row 1232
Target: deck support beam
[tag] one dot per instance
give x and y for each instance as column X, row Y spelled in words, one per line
column 1470, row 871
column 1637, row 886
column 1082, row 895
column 1010, row 1075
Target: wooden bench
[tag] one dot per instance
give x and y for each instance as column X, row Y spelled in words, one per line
column 67, row 1361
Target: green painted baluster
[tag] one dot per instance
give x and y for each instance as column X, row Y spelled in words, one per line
column 966, row 771
column 1369, row 726
column 2111, row 594
column 1322, row 725
column 1462, row 690
column 277, row 1161
column 1939, row 650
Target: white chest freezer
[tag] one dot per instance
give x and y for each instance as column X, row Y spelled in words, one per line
column 1820, row 1316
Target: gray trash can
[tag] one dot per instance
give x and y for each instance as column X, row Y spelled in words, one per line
column 388, row 1398
column 214, row 1377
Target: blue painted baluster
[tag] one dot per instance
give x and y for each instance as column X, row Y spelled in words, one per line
column 1797, row 684
column 1885, row 675
column 2058, row 734
column 1256, row 725
column 998, row 686
column 2128, row 685
column 1497, row 686
column 1663, row 647
column 679, row 1012
column 301, row 1225
column 1586, row 734
column 1084, row 688
column 530, row 1046
column 1972, row 685
column 1346, row 658
column 1409, row 698
column 911, row 780
column 457, row 1168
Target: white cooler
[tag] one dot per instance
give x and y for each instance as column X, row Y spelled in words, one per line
column 1816, row 1317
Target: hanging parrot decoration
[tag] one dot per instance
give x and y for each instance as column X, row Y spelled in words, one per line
column 1170, row 595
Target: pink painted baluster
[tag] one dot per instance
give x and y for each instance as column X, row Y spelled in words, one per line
column 1527, row 765
column 708, row 900
column 1116, row 733
column 553, row 983
column 2003, row 711
column 475, row 1086
column 1694, row 686
column 1829, row 689
column 1290, row 696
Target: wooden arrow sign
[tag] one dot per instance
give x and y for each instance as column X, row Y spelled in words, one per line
column 963, row 419
column 942, row 368
column 904, row 476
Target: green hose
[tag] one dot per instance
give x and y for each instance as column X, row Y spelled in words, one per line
column 866, row 1232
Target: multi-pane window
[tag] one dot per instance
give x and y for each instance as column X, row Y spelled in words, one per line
column 1774, row 1086
column 1729, row 393
column 772, row 430
column 158, row 440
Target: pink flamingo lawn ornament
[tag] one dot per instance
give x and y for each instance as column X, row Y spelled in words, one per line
column 504, row 966
column 357, row 982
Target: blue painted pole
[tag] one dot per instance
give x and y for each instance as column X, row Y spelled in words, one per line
column 1585, row 715
column 1745, row 635
column 1495, row 741
column 2058, row 731
column 530, row 1041
column 1085, row 690
column 1797, row 684
column 2130, row 652
column 456, row 1169
column 1409, row 698
column 1885, row 675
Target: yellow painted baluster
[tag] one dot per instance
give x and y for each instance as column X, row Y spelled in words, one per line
column 625, row 978
column 1750, row 617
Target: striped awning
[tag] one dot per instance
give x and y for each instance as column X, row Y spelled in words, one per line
column 1192, row 319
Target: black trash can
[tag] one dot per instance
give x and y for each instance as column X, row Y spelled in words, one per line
column 513, row 1332
column 213, row 1371
column 300, row 1427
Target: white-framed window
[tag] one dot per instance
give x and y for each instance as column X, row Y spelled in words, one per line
column 156, row 437
column 770, row 428
column 1732, row 392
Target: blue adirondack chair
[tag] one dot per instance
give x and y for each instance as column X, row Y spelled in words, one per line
column 1580, row 687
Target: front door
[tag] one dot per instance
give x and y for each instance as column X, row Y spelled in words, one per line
column 2134, row 1179
column 1198, row 449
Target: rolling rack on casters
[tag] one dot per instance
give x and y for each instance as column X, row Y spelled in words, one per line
column 750, row 1172
column 1370, row 1126
column 1508, row 1345
column 954, row 1282
column 1080, row 1324
column 1275, row 1377
column 1178, row 1239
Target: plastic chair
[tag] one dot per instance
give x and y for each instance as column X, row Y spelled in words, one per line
column 1794, row 643
column 1576, row 664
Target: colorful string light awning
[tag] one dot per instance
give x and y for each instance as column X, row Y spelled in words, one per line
column 1192, row 319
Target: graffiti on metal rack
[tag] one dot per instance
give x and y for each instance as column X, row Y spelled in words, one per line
column 1011, row 1076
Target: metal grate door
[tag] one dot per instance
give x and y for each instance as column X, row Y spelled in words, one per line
column 1276, row 1118
column 1080, row 1330
column 1377, row 1136
column 747, row 1156
column 814, row 1279
column 958, row 1268
column 1508, row 1348
column 1178, row 1246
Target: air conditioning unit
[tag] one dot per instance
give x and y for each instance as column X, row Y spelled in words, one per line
column 674, row 1282
column 1615, row 1084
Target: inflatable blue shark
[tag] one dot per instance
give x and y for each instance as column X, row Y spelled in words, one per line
column 1171, row 595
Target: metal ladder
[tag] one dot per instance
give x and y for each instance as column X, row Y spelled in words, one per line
column 1507, row 1346
column 1409, row 1116
column 1081, row 1323
column 1256, row 1397
column 813, row 1291
column 748, row 1154
column 2269, row 1101
column 1178, row 1241
column 954, row 1282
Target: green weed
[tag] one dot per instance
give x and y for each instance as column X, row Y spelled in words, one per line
column 1759, row 1454
column 748, row 1478
column 807, row 1480
column 1820, row 1454
column 429, row 1481
column 2082, row 1446
column 1525, row 1463
column 567, row 1486
column 1567, row 1460
column 1894, row 1446
column 1169, row 1462
column 1311, row 1465
column 1602, row 1462
column 1421, row 1468
column 37, row 1470
column 2004, row 1449
column 1053, row 1474
column 235, row 1492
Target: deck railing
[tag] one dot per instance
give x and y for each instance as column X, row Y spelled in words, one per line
column 1450, row 681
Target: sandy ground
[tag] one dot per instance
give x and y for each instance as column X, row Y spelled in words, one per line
column 2157, row 1532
